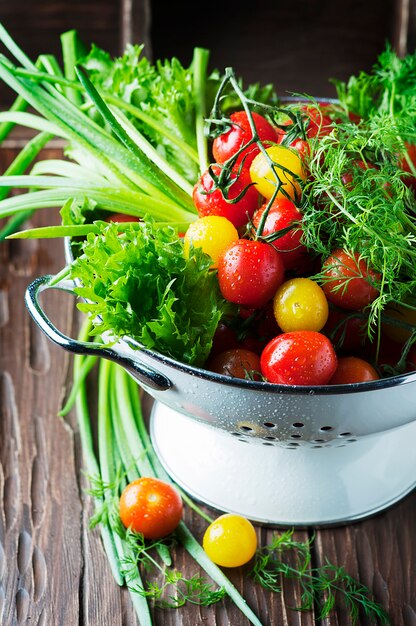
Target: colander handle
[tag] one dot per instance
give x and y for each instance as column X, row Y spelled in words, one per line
column 147, row 376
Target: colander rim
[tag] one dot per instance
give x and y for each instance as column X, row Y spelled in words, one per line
column 275, row 388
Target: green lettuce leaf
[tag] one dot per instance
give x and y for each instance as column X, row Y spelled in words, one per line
column 139, row 284
column 389, row 87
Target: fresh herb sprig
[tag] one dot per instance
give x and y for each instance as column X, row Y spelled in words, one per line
column 320, row 586
column 389, row 86
column 374, row 214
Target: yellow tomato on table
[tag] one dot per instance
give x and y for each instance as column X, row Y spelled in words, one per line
column 230, row 540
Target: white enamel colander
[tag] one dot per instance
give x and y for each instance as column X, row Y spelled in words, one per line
column 278, row 454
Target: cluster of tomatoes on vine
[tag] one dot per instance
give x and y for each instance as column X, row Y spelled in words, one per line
column 251, row 226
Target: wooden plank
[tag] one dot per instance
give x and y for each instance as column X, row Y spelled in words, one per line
column 109, row 24
column 40, row 503
column 381, row 553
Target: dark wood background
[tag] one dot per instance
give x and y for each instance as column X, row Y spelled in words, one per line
column 53, row 571
column 297, row 45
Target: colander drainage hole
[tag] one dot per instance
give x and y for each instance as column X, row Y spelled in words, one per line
column 248, row 429
column 326, row 428
column 319, row 441
column 345, row 434
column 269, row 425
column 298, row 425
column 295, row 436
column 351, row 440
column 266, row 443
column 270, row 438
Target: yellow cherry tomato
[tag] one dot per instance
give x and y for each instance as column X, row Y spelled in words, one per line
column 300, row 304
column 230, row 541
column 287, row 166
column 212, row 233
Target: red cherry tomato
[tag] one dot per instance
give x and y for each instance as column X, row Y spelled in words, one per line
column 303, row 357
column 226, row 145
column 224, row 338
column 210, row 201
column 250, row 272
column 354, row 118
column 319, row 124
column 351, row 369
column 281, row 215
column 238, row 363
column 302, row 147
column 409, row 177
column 346, row 331
column 348, row 281
column 151, row 507
column 348, row 177
column 122, row 217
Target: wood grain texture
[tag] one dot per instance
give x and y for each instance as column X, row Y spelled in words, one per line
column 53, row 569
column 39, row 498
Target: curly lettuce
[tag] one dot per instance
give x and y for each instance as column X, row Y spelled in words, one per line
column 139, row 284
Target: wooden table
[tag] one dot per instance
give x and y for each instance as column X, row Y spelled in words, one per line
column 53, row 570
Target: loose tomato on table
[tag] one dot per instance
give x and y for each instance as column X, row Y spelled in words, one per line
column 249, row 273
column 230, row 540
column 300, row 304
column 229, row 143
column 348, row 281
column 302, row 357
column 280, row 216
column 210, row 200
column 351, row 369
column 151, row 507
